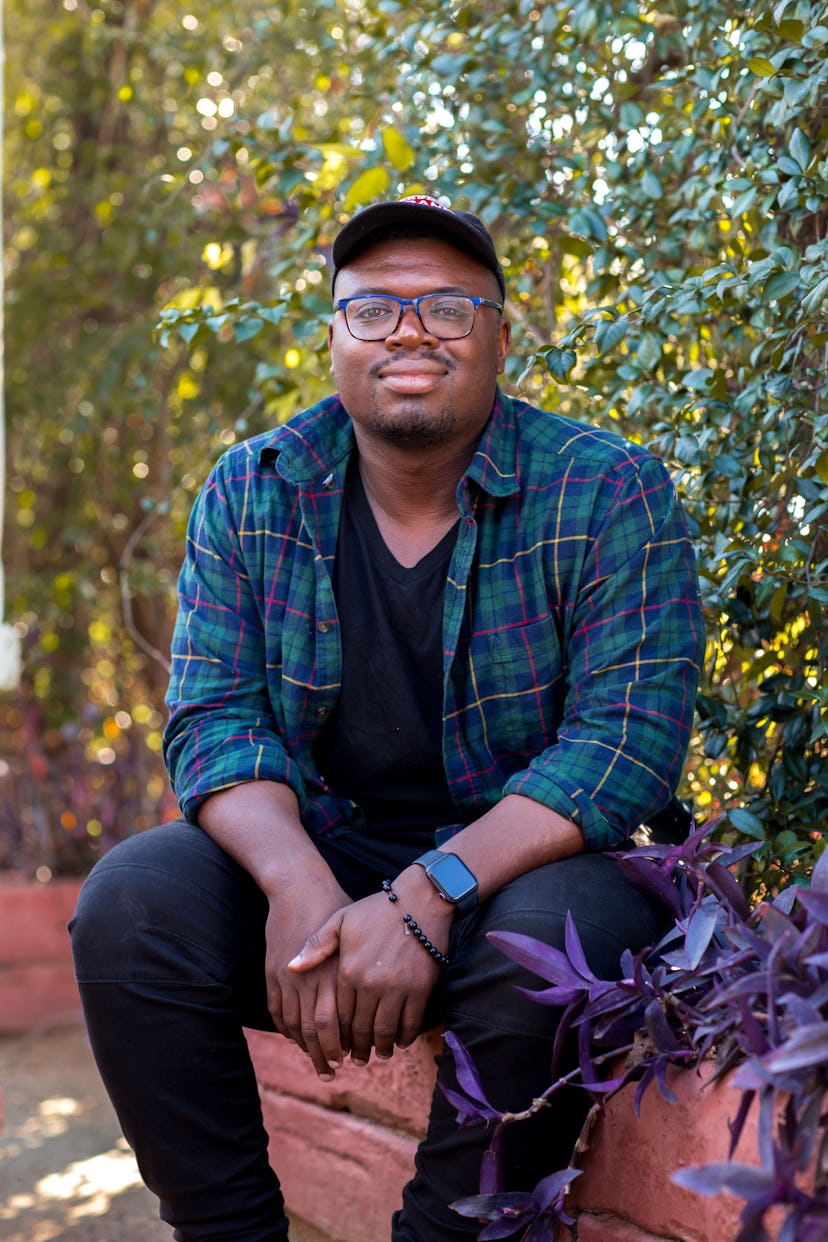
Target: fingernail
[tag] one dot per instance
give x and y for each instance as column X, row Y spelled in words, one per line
column 383, row 1056
column 326, row 1077
column 294, row 961
column 358, row 1062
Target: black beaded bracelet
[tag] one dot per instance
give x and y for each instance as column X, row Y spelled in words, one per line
column 412, row 928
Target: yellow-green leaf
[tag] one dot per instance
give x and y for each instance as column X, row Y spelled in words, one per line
column 762, row 67
column 398, row 149
column 368, row 185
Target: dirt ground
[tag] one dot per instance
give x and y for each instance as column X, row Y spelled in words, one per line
column 66, row 1173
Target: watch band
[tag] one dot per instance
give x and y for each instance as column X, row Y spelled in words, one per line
column 452, row 879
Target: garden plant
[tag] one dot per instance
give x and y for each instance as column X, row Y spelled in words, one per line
column 746, row 989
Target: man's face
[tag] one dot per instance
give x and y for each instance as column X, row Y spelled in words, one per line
column 412, row 389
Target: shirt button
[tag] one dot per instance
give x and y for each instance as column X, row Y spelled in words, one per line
column 320, row 713
column 323, row 627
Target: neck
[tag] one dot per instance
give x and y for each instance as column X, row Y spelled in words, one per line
column 412, row 497
column 410, row 487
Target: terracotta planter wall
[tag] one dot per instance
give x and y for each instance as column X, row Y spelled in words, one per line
column 344, row 1150
column 37, row 982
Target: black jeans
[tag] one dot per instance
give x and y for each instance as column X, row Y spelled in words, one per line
column 168, row 940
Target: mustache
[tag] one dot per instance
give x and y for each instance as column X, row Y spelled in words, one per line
column 422, row 355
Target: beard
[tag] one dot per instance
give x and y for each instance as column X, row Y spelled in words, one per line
column 413, row 427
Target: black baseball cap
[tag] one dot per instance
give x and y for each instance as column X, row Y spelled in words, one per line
column 420, row 211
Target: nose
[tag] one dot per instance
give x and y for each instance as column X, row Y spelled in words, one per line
column 410, row 331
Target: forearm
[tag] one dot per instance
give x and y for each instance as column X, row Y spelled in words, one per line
column 515, row 836
column 258, row 825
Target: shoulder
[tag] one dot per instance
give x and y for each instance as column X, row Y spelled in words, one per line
column 548, row 437
column 302, row 447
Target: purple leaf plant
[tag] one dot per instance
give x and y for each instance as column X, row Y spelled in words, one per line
column 745, row 989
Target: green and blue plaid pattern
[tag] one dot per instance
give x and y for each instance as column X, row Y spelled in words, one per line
column 572, row 629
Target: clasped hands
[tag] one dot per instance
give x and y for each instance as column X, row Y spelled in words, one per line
column 357, row 981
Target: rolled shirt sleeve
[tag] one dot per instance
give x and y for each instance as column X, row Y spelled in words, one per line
column 222, row 729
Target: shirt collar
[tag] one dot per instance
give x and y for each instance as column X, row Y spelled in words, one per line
column 311, row 444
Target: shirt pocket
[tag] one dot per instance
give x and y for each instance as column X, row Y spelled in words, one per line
column 527, row 685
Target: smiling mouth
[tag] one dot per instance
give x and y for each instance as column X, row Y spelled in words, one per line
column 412, row 376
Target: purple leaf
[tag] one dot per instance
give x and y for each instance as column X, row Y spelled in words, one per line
column 700, row 929
column 491, row 1168
column 726, row 887
column 819, row 875
column 738, row 1123
column 755, row 1039
column 711, row 1179
column 501, row 1229
column 786, row 900
column 542, row 959
column 468, row 1114
column 467, row 1075
column 808, row 1046
column 574, row 950
column 816, row 903
column 548, row 1190
column 658, row 1027
column 650, row 878
column 508, row 1211
column 553, row 996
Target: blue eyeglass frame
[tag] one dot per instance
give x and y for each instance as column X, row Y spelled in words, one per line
column 415, row 303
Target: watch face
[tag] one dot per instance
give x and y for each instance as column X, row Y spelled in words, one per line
column 452, row 877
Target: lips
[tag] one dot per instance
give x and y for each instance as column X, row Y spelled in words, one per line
column 412, row 377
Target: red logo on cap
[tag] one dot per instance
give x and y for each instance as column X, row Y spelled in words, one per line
column 423, row 200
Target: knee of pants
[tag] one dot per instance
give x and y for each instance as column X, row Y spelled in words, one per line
column 164, row 905
column 609, row 914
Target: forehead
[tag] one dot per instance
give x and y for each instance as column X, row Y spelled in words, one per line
column 410, row 266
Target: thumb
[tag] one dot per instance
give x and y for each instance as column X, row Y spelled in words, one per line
column 319, row 946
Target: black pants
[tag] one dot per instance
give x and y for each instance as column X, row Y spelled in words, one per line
column 168, row 940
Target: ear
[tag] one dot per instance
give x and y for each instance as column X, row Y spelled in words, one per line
column 504, row 339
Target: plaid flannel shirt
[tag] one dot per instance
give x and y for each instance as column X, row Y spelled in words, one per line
column 572, row 630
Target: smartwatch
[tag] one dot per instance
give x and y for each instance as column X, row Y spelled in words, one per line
column 452, row 879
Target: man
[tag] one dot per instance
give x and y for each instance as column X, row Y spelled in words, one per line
column 427, row 635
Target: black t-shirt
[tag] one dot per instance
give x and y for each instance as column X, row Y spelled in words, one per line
column 383, row 745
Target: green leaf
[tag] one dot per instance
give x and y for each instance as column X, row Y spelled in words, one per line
column 748, row 823
column 821, row 467
column 188, row 330
column 651, row 185
column 244, row 329
column 761, row 66
column 649, row 351
column 800, row 148
column 559, row 362
column 780, row 285
column 609, row 332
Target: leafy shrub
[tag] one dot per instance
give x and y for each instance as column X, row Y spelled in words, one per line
column 748, row 988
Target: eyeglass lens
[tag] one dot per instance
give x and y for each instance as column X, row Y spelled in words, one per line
column 446, row 316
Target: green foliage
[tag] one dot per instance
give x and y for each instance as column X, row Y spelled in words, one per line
column 657, row 187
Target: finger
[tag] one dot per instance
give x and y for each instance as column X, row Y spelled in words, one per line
column 327, row 1024
column 386, row 1026
column 345, row 1005
column 411, row 1022
column 313, row 1047
column 362, row 1030
column 292, row 1017
column 319, row 946
column 274, row 1005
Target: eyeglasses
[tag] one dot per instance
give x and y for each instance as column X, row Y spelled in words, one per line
column 448, row 316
